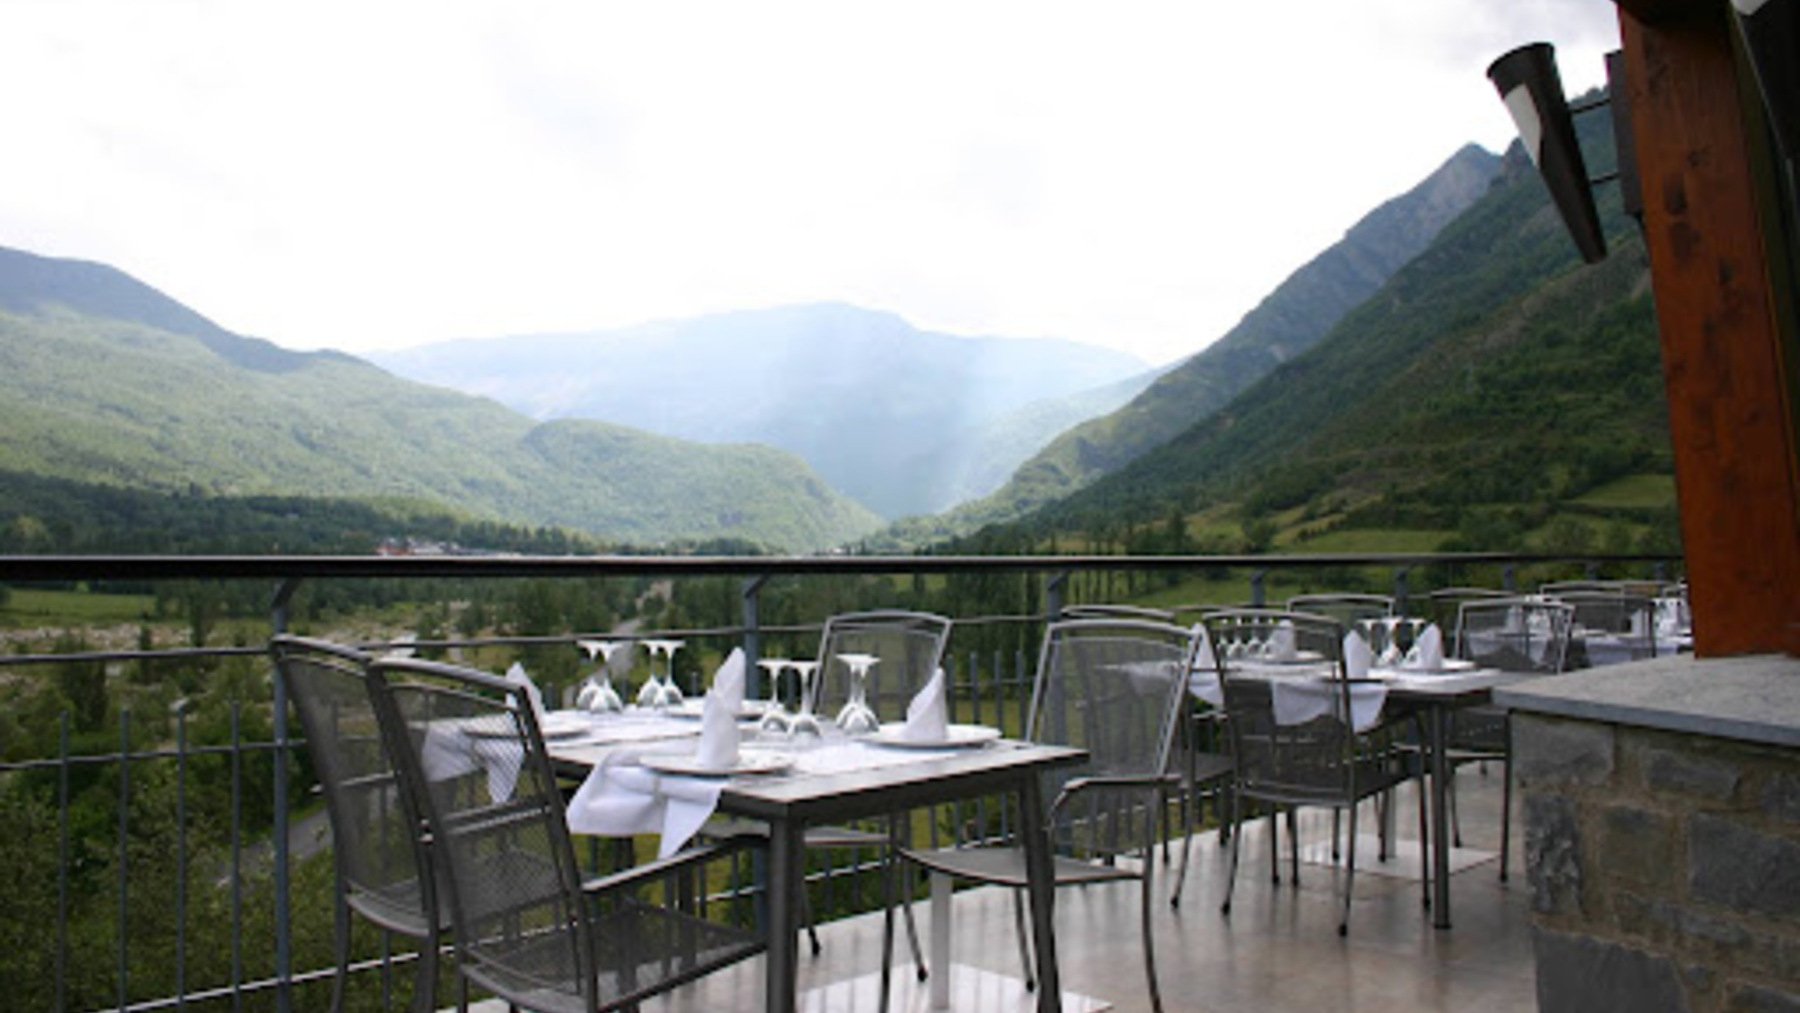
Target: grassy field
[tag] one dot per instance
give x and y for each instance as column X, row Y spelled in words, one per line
column 32, row 607
column 1633, row 492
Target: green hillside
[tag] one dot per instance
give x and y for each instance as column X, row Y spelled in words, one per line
column 1493, row 394
column 1285, row 324
column 90, row 392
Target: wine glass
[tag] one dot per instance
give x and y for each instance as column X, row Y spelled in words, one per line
column 774, row 720
column 805, row 722
column 597, row 694
column 672, row 695
column 857, row 717
column 650, row 694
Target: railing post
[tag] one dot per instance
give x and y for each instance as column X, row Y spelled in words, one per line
column 1400, row 589
column 1509, row 578
column 752, row 595
column 1258, row 594
column 284, row 928
column 1055, row 590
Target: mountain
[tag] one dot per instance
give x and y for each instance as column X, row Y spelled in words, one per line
column 905, row 421
column 1290, row 320
column 104, row 379
column 1492, row 392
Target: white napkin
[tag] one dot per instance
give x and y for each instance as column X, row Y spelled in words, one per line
column 928, row 712
column 718, row 747
column 623, row 798
column 1427, row 654
column 1203, row 679
column 1357, row 656
column 1281, row 642
column 516, row 675
column 450, row 751
column 1296, row 701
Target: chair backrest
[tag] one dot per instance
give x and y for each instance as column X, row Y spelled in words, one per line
column 910, row 646
column 1628, row 619
column 1113, row 687
column 1108, row 611
column 1307, row 758
column 469, row 746
column 1515, row 634
column 1441, row 604
column 375, row 832
column 1559, row 587
column 1346, row 608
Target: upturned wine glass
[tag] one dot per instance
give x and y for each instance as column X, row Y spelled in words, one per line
column 597, row 694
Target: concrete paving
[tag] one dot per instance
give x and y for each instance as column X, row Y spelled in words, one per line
column 1278, row 950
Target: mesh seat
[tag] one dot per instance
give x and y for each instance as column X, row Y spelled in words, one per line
column 1321, row 762
column 375, row 843
column 1113, row 687
column 528, row 927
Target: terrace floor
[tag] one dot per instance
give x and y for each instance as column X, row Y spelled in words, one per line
column 1279, row 950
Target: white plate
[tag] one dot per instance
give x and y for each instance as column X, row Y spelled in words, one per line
column 1451, row 666
column 750, row 710
column 555, row 725
column 956, row 737
column 749, row 761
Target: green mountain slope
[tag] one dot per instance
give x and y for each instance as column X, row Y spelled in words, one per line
column 104, row 379
column 1492, row 379
column 1285, row 324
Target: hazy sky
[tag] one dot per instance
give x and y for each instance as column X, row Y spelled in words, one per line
column 381, row 174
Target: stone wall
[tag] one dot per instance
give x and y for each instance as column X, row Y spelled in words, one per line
column 1664, row 868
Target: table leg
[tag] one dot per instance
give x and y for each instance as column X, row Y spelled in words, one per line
column 1438, row 719
column 1042, row 886
column 787, row 877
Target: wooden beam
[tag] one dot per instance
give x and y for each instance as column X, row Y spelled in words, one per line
column 1723, row 355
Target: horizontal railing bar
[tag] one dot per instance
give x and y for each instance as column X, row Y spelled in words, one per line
column 58, row 568
column 138, row 655
column 19, row 766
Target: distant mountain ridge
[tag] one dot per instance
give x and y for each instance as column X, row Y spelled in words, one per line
column 904, row 420
column 104, row 379
column 1287, row 322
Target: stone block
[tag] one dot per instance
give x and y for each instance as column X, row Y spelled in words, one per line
column 1690, row 774
column 1758, row 999
column 1737, row 867
column 1552, row 854
column 1579, row 974
column 1781, row 797
column 1549, row 752
column 1637, row 846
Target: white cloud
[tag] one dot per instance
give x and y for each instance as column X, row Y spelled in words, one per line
column 363, row 175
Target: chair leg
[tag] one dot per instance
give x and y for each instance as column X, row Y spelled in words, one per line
column 1190, row 812
column 1424, row 843
column 1275, row 845
column 806, row 917
column 1024, row 937
column 425, row 975
column 1237, row 840
column 887, row 928
column 912, row 936
column 1149, row 942
column 1293, row 822
column 1349, row 873
column 1505, row 811
column 1455, row 811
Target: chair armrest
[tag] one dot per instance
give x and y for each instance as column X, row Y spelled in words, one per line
column 1080, row 784
column 660, row 867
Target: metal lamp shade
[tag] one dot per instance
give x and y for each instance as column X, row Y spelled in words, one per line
column 1532, row 90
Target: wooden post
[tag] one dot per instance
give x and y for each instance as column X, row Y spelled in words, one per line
column 1730, row 412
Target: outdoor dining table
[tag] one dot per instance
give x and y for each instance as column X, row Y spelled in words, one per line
column 1434, row 696
column 791, row 801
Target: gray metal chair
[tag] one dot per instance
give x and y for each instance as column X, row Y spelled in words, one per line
column 1347, row 608
column 529, row 927
column 1323, row 762
column 376, row 845
column 911, row 646
column 1110, row 611
column 1528, row 635
column 1115, row 688
column 1627, row 621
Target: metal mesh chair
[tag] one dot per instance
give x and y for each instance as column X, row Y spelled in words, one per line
column 376, row 844
column 1627, row 622
column 528, row 927
column 1113, row 687
column 910, row 647
column 1442, row 604
column 1346, row 608
column 1321, row 762
column 1514, row 635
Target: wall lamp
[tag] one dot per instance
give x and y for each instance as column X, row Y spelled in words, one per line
column 1770, row 30
column 1532, row 90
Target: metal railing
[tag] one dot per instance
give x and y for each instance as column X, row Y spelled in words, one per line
column 251, row 866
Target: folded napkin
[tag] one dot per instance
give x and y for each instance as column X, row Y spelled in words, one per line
column 1297, row 701
column 1357, row 656
column 451, row 749
column 623, row 798
column 1281, row 642
column 1203, row 678
column 928, row 712
column 1427, row 654
column 718, row 717
column 517, row 676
